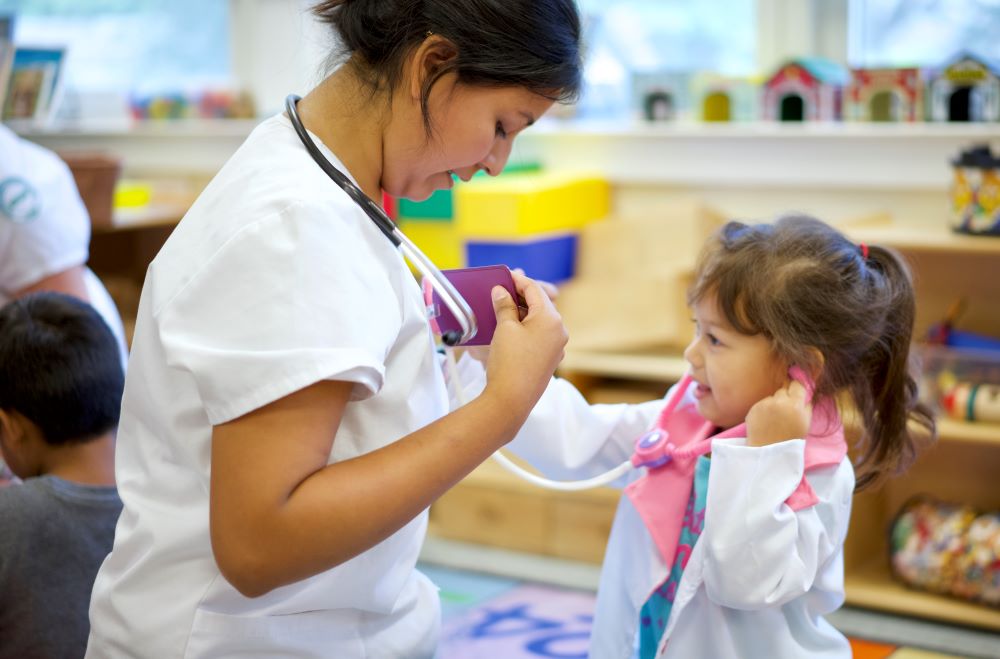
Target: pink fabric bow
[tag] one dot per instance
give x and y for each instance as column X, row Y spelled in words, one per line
column 661, row 495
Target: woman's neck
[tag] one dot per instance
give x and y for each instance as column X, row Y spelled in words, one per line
column 348, row 120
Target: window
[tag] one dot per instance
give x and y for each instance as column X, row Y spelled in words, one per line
column 921, row 32
column 117, row 48
column 630, row 37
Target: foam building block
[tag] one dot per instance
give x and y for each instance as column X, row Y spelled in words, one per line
column 440, row 205
column 440, row 241
column 529, row 204
column 436, row 207
column 550, row 257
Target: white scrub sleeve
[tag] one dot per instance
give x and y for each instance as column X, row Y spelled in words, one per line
column 567, row 438
column 759, row 553
column 288, row 301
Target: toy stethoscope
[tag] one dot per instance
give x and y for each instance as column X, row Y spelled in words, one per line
column 653, row 443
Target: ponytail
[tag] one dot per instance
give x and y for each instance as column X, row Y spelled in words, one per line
column 887, row 396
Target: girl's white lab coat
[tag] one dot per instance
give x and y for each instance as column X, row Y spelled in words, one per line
column 759, row 578
column 273, row 281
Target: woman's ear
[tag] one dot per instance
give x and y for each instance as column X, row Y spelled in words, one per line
column 427, row 59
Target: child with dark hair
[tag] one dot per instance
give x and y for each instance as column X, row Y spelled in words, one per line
column 741, row 555
column 60, row 392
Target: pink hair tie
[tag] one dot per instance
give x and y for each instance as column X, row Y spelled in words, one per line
column 864, row 250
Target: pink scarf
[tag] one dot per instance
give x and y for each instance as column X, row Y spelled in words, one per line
column 680, row 435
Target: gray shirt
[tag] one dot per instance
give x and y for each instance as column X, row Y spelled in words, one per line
column 54, row 534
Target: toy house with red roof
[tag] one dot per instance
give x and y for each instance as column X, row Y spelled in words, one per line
column 805, row 89
column 885, row 95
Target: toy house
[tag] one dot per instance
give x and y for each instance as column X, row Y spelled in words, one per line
column 661, row 96
column 724, row 98
column 805, row 89
column 885, row 95
column 967, row 89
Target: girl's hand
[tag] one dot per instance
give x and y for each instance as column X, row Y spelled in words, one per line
column 782, row 416
column 524, row 352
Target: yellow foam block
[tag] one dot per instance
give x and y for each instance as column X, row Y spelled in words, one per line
column 439, row 240
column 528, row 204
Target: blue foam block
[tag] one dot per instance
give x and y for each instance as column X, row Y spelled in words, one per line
column 550, row 259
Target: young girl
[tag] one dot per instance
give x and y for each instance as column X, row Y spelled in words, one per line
column 285, row 425
column 740, row 554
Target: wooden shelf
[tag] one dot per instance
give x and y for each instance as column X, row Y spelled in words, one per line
column 927, row 239
column 872, row 586
column 978, row 432
column 658, row 365
column 152, row 215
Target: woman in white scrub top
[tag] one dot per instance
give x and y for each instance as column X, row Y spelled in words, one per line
column 285, row 422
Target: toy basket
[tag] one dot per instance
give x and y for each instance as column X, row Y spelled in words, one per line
column 949, row 549
column 96, row 175
column 951, row 373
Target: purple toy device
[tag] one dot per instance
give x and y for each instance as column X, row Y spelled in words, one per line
column 475, row 285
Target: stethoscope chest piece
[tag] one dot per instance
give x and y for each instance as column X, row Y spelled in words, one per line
column 653, row 449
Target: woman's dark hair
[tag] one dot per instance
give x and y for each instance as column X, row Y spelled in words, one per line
column 60, row 367
column 802, row 284
column 534, row 44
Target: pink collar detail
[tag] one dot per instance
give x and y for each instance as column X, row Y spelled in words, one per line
column 680, row 435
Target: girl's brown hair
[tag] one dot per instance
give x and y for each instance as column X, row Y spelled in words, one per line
column 803, row 285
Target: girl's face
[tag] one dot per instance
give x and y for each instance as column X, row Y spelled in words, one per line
column 473, row 128
column 733, row 371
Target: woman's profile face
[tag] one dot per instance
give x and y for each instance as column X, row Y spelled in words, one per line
column 472, row 128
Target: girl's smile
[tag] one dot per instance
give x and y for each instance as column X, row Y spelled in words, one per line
column 733, row 371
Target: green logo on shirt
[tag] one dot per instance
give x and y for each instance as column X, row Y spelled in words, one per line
column 19, row 201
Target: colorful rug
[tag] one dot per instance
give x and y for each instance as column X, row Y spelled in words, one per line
column 486, row 617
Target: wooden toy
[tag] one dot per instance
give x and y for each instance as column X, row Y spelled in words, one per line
column 662, row 95
column 885, row 95
column 966, row 89
column 720, row 98
column 805, row 89
column 973, row 401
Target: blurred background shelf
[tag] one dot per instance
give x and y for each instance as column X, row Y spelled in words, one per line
column 871, row 585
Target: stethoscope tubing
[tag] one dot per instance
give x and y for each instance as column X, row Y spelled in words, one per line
column 452, row 299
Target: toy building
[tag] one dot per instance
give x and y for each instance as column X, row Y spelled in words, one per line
column 885, row 94
column 805, row 89
column 662, row 96
column 966, row 89
column 720, row 98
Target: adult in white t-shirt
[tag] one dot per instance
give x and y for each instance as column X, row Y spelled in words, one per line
column 285, row 423
column 45, row 235
column 45, row 230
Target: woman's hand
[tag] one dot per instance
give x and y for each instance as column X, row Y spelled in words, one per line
column 548, row 288
column 524, row 352
column 782, row 416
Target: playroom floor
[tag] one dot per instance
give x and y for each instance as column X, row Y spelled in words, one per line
column 498, row 603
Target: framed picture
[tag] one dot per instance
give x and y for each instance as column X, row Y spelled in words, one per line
column 33, row 84
column 6, row 53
